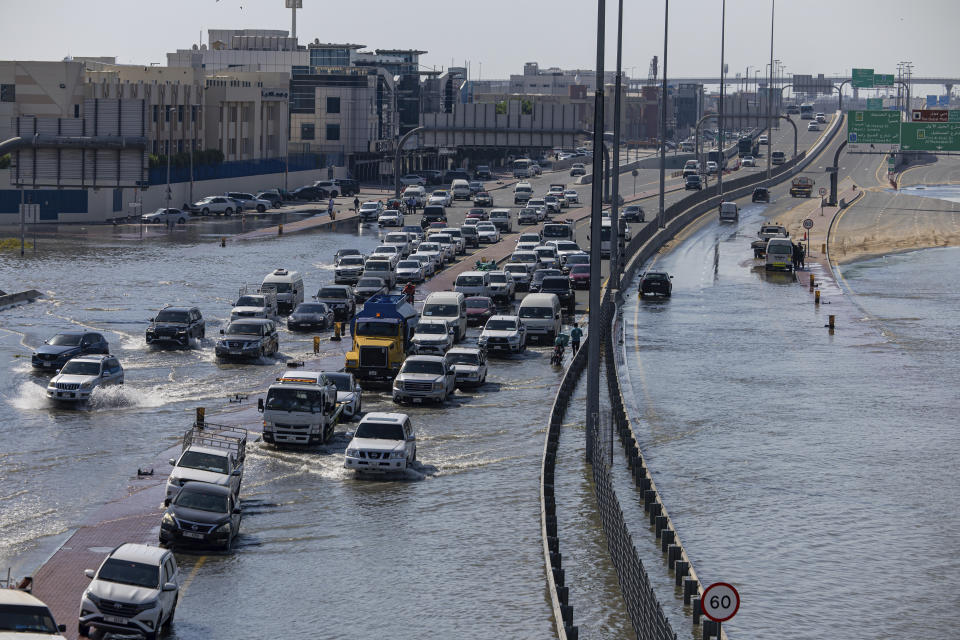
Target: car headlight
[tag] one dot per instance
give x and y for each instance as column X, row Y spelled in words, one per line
column 92, row 598
column 168, row 522
column 86, row 385
column 353, row 453
column 398, row 454
column 437, row 386
column 224, row 528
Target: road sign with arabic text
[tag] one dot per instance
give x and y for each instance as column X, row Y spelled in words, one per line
column 862, row 78
column 930, row 136
column 873, row 127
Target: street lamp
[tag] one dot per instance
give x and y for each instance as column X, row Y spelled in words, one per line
column 169, row 118
column 663, row 118
column 773, row 6
column 721, row 156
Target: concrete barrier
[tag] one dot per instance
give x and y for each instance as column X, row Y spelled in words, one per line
column 13, row 299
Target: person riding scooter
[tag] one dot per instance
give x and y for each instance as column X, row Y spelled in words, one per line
column 409, row 290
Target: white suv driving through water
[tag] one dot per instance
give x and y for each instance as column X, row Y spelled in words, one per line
column 78, row 378
column 383, row 442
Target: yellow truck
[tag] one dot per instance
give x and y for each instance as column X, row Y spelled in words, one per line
column 382, row 334
column 801, row 187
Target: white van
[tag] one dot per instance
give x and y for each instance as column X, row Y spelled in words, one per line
column 473, row 283
column 288, row 286
column 540, row 314
column 522, row 193
column 729, row 212
column 450, row 306
column 779, row 254
column 460, row 189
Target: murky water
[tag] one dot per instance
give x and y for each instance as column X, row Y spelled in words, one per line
column 452, row 548
column 812, row 471
column 948, row 192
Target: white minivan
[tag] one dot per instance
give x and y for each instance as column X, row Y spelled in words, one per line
column 779, row 254
column 540, row 314
column 288, row 286
column 473, row 283
column 460, row 189
column 450, row 306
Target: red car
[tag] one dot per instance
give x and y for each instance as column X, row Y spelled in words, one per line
column 580, row 276
column 479, row 310
column 479, row 214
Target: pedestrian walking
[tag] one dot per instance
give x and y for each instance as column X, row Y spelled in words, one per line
column 356, row 204
column 330, row 207
column 575, row 334
column 796, row 255
column 802, row 255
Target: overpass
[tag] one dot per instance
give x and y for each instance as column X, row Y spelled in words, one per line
column 636, row 83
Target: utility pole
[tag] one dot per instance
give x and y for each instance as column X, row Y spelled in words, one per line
column 773, row 6
column 596, row 277
column 661, row 221
column 721, row 156
column 615, row 235
column 169, row 120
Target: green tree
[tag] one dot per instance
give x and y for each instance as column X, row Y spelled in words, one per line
column 526, row 107
column 5, row 161
column 501, row 107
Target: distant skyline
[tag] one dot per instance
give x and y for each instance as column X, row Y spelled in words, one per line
column 495, row 38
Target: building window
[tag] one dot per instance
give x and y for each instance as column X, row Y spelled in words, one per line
column 155, row 147
column 233, row 146
column 166, row 114
column 180, row 113
column 333, row 105
column 233, row 114
column 333, row 132
column 329, row 57
column 299, row 70
column 307, row 131
column 156, row 112
column 8, row 93
column 179, row 146
column 76, row 111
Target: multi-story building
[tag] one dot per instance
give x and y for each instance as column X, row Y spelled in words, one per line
column 555, row 81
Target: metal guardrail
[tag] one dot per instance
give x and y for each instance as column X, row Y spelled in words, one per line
column 642, row 605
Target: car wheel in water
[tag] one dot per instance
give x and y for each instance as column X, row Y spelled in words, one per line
column 153, row 635
column 181, row 221
column 228, row 211
column 261, row 208
column 173, row 612
column 205, row 211
column 83, row 629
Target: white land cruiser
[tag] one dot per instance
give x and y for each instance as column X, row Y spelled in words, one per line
column 300, row 408
column 135, row 591
column 424, row 378
column 211, row 453
column 78, row 378
column 383, row 442
column 503, row 287
column 504, row 333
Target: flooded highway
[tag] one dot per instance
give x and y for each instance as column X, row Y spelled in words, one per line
column 810, row 470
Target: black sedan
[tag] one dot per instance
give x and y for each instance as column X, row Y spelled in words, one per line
column 656, row 283
column 310, row 315
column 309, row 193
column 202, row 515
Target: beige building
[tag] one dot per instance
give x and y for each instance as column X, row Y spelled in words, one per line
column 41, row 89
column 245, row 114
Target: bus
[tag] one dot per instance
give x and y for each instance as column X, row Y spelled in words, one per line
column 521, row 168
column 714, row 155
column 748, row 146
column 806, row 111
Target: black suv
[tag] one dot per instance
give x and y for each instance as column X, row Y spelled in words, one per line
column 560, row 285
column 453, row 174
column 202, row 515
column 433, row 213
column 176, row 326
column 57, row 350
column 633, row 213
column 693, row 182
column 433, row 176
column 348, row 186
column 656, row 283
column 761, row 194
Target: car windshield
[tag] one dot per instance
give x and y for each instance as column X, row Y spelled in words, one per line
column 423, row 366
column 581, row 268
column 655, row 276
column 66, row 339
column 367, row 206
column 433, row 328
column 332, row 292
column 26, row 619
column 369, row 282
column 396, row 237
column 429, row 246
column 250, row 301
column 578, row 259
column 311, row 307
column 279, row 287
column 421, row 258
column 241, row 328
column 379, row 431
column 412, row 229
column 201, row 501
column 779, row 248
column 478, row 303
column 487, row 226
column 555, row 284
column 389, row 249
column 544, row 253
column 536, row 312
column 173, row 316
column 341, row 381
column 516, row 268
column 203, row 462
column 375, row 329
column 501, row 325
column 374, row 265
column 568, row 246
column 524, row 257
column 287, row 399
column 463, row 358
column 408, row 264
column 441, row 310
column 498, row 277
column 81, row 368
column 137, row 574
column 470, row 281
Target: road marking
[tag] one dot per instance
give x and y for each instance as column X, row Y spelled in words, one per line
column 193, row 573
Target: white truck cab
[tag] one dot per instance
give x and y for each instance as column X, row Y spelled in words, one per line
column 382, row 443
column 288, row 288
column 300, row 408
column 255, row 303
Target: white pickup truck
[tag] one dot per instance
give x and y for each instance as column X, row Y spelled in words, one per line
column 255, row 302
column 212, row 453
column 300, row 408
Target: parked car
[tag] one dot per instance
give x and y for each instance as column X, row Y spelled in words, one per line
column 310, row 315
column 348, row 186
column 424, row 378
column 413, row 179
column 433, row 176
column 135, row 591
column 274, row 197
column 166, row 216
column 249, row 202
column 382, row 443
column 217, row 205
column 656, row 283
column 329, row 188
column 176, row 325
column 78, row 378
column 309, row 193
column 202, row 515
column 55, row 352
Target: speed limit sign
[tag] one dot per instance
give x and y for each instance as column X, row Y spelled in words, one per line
column 720, row 602
column 823, row 191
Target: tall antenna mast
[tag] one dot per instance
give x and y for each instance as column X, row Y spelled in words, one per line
column 293, row 5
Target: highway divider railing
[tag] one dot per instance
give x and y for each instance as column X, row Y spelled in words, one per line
column 642, row 606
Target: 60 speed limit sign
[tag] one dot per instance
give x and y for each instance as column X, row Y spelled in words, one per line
column 720, row 602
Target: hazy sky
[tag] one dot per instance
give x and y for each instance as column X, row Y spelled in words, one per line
column 498, row 36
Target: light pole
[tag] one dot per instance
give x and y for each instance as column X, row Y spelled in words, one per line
column 721, row 156
column 169, row 119
column 615, row 196
column 661, row 222
column 773, row 5
column 596, row 277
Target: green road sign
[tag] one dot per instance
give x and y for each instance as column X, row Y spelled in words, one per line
column 883, row 79
column 873, row 127
column 862, row 78
column 930, row 136
column 954, row 115
column 874, row 104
